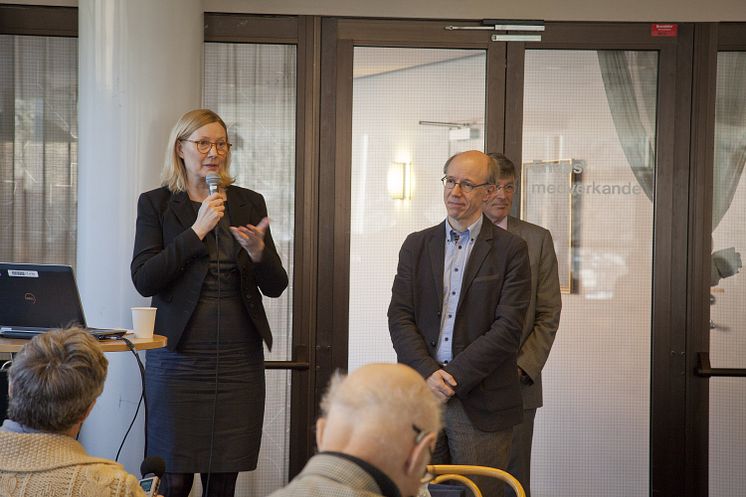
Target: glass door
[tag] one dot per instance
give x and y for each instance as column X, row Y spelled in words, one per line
column 589, row 142
column 596, row 148
column 402, row 98
column 727, row 333
column 412, row 108
column 256, row 78
column 597, row 119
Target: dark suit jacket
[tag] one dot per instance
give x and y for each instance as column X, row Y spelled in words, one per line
column 543, row 316
column 170, row 262
column 492, row 307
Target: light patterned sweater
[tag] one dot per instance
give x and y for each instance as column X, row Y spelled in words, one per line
column 48, row 465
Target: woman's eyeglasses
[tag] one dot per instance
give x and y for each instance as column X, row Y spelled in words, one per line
column 204, row 146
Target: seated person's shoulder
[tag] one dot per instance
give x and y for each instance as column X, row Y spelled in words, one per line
column 108, row 479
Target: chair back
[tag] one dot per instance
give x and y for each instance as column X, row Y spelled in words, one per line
column 459, row 472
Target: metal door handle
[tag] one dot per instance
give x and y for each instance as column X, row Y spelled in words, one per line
column 705, row 370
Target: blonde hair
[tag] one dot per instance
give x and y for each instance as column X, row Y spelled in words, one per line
column 55, row 378
column 174, row 175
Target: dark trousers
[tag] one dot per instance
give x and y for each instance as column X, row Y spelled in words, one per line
column 520, row 452
column 461, row 443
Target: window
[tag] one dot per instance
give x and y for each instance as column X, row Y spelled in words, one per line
column 38, row 140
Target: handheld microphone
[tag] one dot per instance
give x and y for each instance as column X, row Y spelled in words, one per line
column 213, row 181
column 152, row 469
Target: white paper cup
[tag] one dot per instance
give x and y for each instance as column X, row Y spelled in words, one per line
column 143, row 321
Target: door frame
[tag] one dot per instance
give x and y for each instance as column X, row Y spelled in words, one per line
column 710, row 38
column 339, row 37
column 304, row 33
column 668, row 416
column 673, row 443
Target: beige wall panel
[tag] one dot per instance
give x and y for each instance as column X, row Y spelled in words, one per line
column 565, row 10
column 550, row 10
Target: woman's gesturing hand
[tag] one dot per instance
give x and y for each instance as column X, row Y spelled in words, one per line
column 251, row 238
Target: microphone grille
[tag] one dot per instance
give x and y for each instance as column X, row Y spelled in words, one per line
column 212, row 180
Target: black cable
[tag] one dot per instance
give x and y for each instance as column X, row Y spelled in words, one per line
column 142, row 400
column 206, row 492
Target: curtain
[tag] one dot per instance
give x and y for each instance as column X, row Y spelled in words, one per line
column 253, row 88
column 730, row 152
column 730, row 131
column 630, row 80
column 38, row 149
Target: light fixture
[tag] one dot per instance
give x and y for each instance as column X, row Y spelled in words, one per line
column 400, row 181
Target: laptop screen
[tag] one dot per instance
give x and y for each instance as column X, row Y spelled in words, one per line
column 39, row 295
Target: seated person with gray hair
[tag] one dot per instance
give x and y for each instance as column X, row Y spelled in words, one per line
column 375, row 436
column 53, row 384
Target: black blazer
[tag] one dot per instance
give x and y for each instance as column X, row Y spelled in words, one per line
column 170, row 262
column 495, row 294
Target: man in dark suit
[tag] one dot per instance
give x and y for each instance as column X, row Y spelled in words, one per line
column 542, row 319
column 457, row 309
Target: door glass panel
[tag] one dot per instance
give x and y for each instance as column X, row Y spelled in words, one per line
column 728, row 291
column 412, row 109
column 253, row 88
column 587, row 176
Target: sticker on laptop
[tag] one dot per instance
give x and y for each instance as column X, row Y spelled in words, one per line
column 18, row 273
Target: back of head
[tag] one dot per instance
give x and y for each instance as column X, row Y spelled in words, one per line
column 174, row 175
column 379, row 404
column 55, row 378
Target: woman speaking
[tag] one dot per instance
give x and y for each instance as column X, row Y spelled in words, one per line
column 204, row 258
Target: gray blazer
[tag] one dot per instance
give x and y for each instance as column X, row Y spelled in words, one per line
column 495, row 295
column 543, row 316
column 330, row 476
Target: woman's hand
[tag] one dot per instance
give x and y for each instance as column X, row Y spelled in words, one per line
column 209, row 214
column 251, row 238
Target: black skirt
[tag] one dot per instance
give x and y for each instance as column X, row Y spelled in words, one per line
column 188, row 426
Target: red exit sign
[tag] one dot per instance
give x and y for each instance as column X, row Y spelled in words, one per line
column 664, row 30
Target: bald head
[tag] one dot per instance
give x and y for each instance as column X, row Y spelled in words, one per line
column 384, row 414
column 485, row 162
column 383, row 393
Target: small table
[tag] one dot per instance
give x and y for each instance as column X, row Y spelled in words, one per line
column 14, row 345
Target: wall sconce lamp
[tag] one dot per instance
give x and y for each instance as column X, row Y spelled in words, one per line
column 400, row 181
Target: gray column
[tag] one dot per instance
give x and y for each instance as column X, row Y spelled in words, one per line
column 140, row 69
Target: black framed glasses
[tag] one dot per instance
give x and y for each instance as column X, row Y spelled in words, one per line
column 204, row 146
column 466, row 186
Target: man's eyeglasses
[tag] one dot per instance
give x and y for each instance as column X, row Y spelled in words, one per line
column 204, row 146
column 509, row 188
column 466, row 186
column 420, row 434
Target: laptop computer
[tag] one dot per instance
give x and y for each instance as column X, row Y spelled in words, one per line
column 35, row 298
